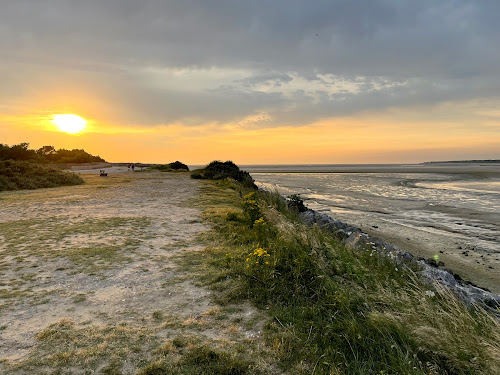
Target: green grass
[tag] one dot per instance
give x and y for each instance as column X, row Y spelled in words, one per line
column 334, row 309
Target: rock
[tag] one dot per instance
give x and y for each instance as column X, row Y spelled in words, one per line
column 353, row 239
column 342, row 234
column 439, row 275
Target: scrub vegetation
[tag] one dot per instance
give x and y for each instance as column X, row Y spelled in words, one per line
column 16, row 175
column 24, row 168
column 333, row 309
column 175, row 166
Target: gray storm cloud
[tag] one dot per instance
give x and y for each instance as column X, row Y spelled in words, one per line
column 221, row 61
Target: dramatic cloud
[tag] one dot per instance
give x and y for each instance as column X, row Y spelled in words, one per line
column 283, row 62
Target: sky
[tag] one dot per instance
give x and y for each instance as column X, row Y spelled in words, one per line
column 256, row 82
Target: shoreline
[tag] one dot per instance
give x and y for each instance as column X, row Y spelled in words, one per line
column 474, row 267
column 478, row 170
column 354, row 236
column 474, row 258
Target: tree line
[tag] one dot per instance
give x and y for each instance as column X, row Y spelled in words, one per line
column 46, row 154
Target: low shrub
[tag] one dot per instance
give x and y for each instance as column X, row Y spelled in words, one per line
column 175, row 166
column 16, row 175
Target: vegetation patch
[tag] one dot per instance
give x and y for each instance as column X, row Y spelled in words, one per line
column 16, row 175
column 65, row 348
column 334, row 309
column 175, row 166
column 52, row 235
column 194, row 355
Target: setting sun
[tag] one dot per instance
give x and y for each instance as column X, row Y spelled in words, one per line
column 69, row 123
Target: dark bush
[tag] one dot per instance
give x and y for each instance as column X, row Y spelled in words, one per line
column 218, row 170
column 175, row 166
column 16, row 175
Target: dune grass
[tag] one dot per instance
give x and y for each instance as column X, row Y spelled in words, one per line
column 332, row 309
column 91, row 347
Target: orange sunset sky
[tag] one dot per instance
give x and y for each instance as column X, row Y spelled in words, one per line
column 255, row 82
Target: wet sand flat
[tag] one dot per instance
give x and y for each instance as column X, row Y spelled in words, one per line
column 479, row 169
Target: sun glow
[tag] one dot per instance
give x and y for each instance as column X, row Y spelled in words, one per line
column 69, row 123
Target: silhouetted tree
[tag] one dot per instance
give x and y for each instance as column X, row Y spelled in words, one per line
column 19, row 152
column 46, row 154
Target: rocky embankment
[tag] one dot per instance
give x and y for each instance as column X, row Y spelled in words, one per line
column 430, row 269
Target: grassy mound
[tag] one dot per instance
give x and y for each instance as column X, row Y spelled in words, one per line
column 15, row 175
column 218, row 170
column 333, row 309
column 175, row 166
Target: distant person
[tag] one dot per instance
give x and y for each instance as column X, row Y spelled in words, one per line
column 128, row 166
column 133, row 167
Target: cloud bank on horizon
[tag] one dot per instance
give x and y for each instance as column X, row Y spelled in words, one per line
column 256, row 64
